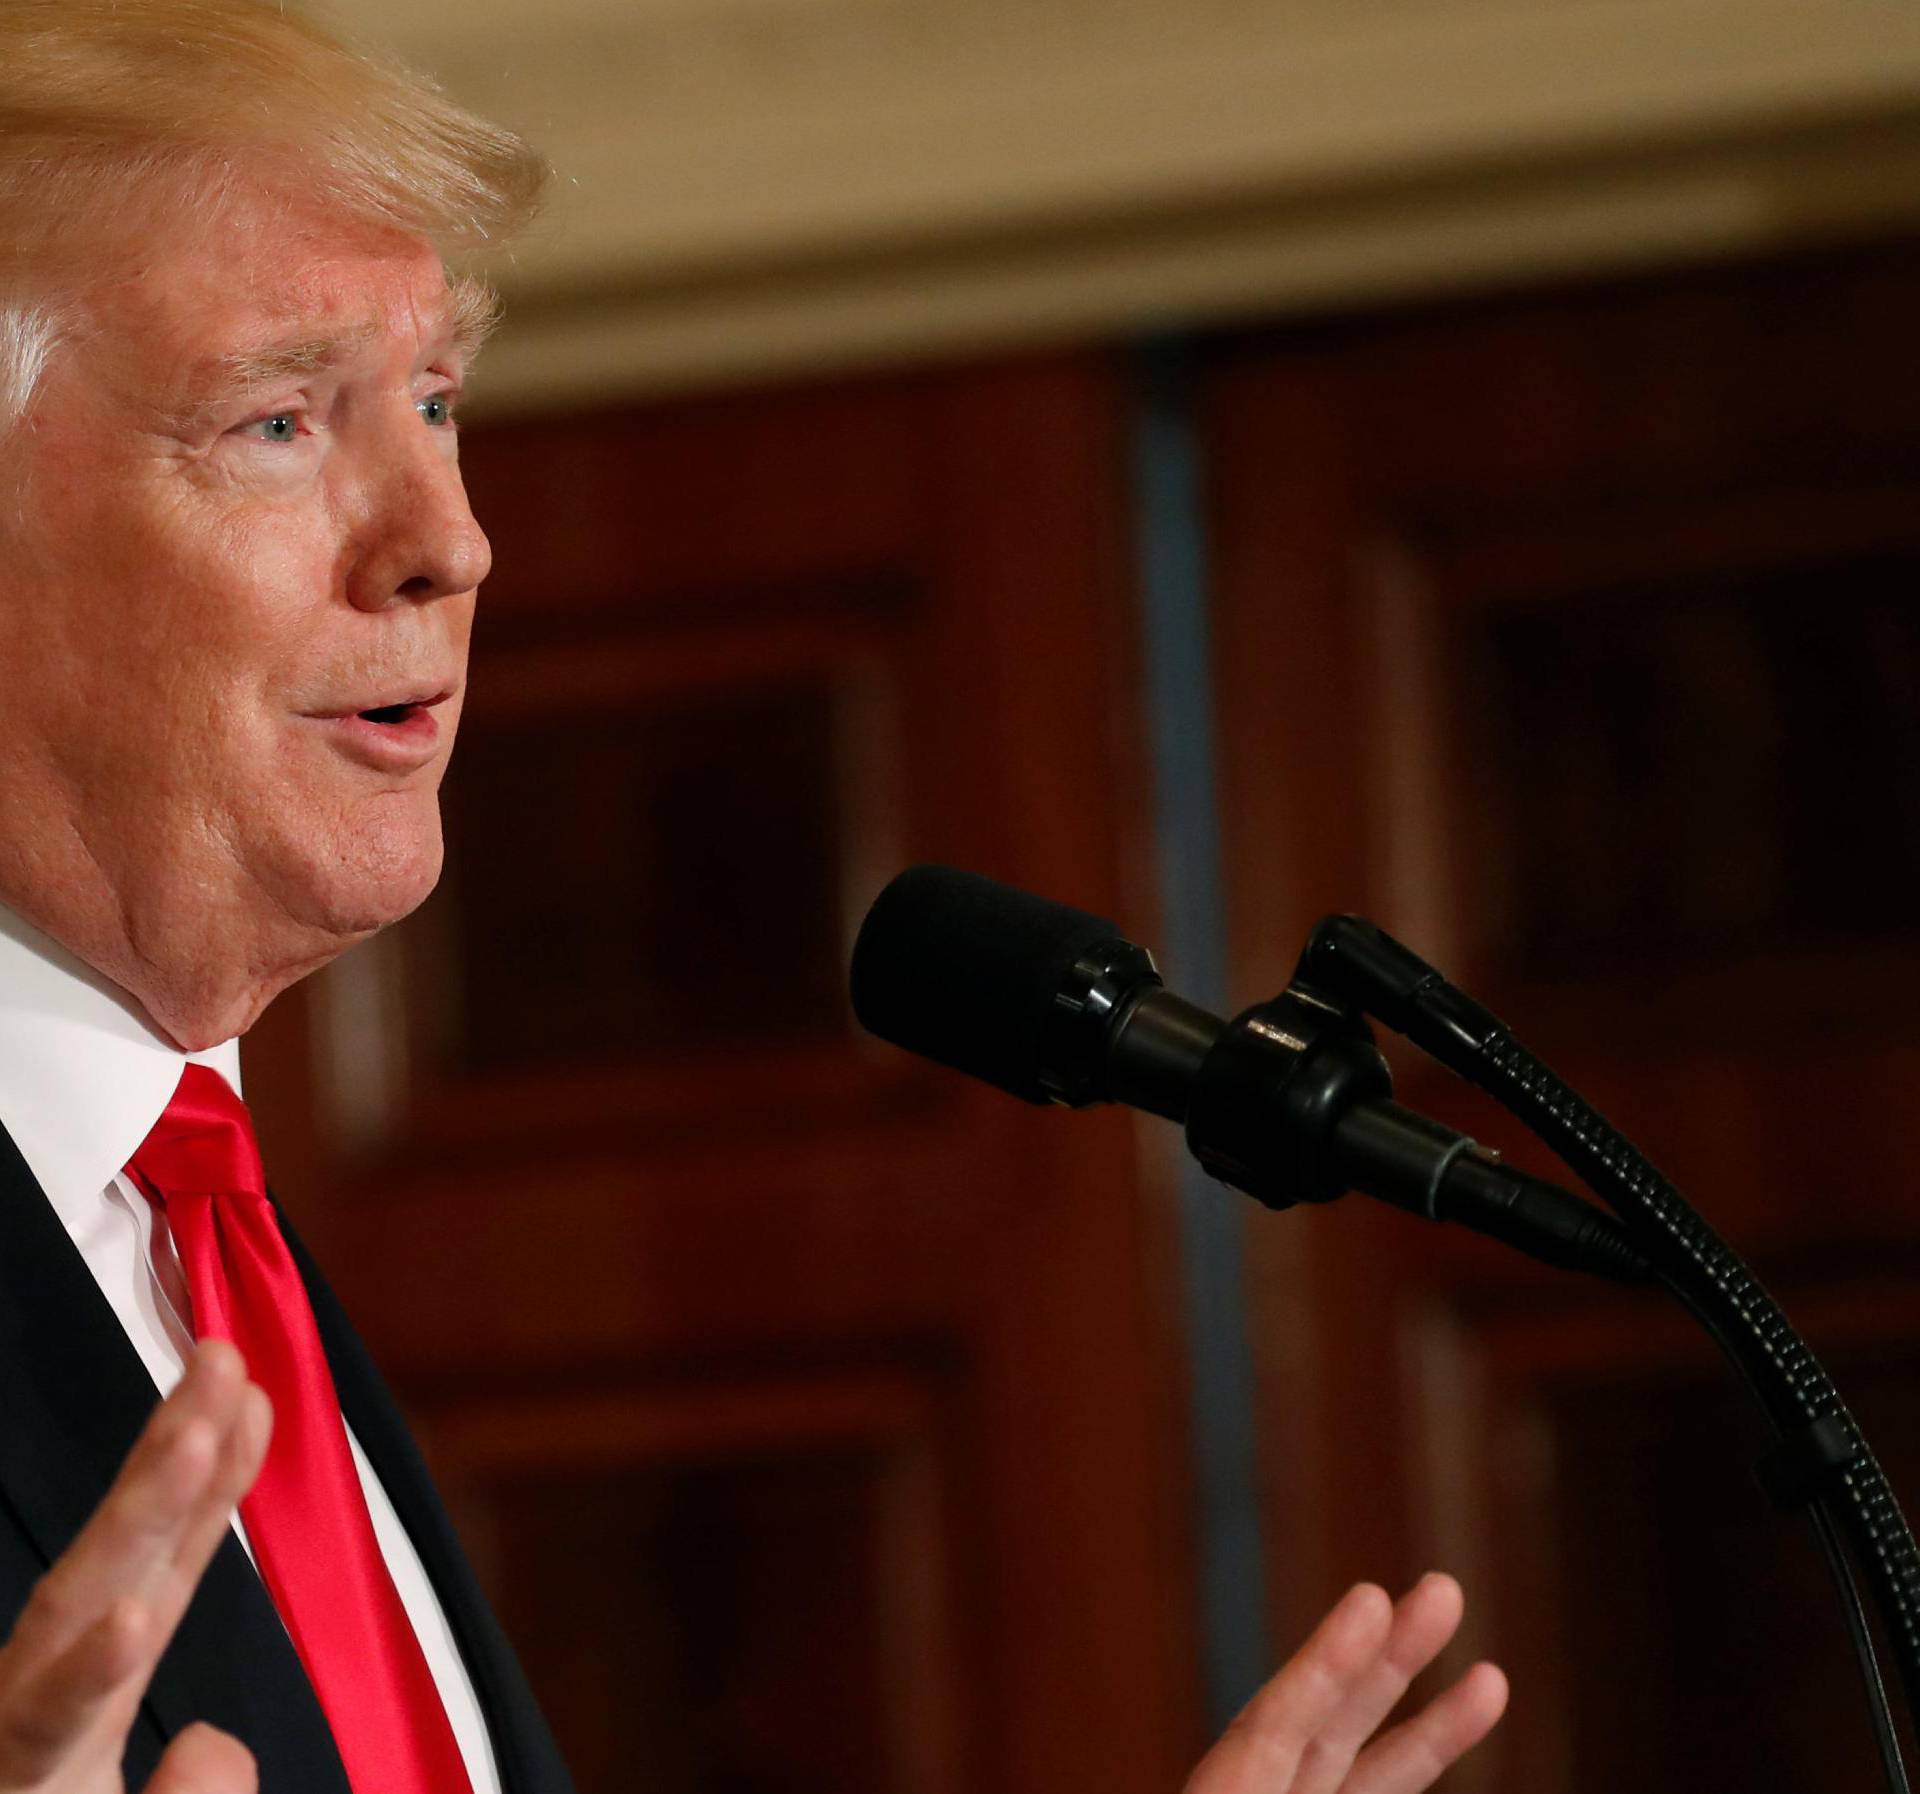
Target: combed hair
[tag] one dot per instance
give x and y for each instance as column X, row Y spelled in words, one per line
column 114, row 111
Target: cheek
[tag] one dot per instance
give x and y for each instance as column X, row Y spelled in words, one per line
column 155, row 671
column 211, row 617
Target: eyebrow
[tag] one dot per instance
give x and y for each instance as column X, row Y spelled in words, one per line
column 473, row 309
column 246, row 369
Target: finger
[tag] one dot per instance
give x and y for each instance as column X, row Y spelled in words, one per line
column 1418, row 1751
column 207, row 1523
column 1262, row 1748
column 135, row 1531
column 1425, row 1619
column 98, row 1620
column 202, row 1760
column 242, row 1453
column 52, row 1707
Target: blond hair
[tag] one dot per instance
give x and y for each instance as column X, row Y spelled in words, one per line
column 112, row 111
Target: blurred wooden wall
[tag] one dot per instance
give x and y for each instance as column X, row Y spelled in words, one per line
column 1577, row 639
column 815, row 1417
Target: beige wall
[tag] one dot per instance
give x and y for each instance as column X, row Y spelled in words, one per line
column 752, row 186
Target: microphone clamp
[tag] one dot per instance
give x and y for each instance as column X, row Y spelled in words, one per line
column 1292, row 1102
column 1263, row 1112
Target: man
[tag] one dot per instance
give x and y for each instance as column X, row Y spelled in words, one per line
column 237, row 573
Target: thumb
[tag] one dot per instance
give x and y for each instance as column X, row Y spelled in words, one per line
column 203, row 1760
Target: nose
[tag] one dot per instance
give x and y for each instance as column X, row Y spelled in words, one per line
column 419, row 539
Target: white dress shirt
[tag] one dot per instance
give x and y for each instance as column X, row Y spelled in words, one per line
column 83, row 1078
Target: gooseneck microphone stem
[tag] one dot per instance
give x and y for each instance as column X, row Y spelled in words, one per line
column 1820, row 1460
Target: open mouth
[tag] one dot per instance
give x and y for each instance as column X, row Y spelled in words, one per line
column 396, row 715
column 401, row 734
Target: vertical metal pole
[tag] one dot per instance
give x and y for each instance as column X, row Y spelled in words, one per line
column 1170, row 546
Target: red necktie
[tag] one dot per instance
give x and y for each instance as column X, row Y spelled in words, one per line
column 306, row 1515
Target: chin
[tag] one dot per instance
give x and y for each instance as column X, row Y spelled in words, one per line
column 370, row 880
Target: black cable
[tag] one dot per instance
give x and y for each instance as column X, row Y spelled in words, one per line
column 1827, row 1531
column 1827, row 1536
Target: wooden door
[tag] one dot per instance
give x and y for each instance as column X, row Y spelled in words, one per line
column 1577, row 639
column 812, row 1414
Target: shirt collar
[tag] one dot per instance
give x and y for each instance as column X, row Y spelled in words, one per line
column 83, row 1074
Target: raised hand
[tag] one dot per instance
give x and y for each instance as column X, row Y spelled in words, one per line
column 84, row 1648
column 1311, row 1729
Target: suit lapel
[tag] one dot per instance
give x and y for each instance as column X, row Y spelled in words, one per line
column 73, row 1397
column 524, row 1751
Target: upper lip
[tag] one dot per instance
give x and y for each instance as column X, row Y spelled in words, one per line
column 422, row 696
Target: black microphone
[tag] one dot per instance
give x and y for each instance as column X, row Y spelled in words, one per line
column 1289, row 1102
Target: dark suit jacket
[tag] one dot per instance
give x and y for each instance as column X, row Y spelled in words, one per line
column 73, row 1395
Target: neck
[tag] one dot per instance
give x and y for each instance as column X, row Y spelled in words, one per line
column 192, row 967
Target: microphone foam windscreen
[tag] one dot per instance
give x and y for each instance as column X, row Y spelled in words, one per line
column 963, row 971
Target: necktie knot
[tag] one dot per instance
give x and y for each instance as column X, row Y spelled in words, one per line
column 203, row 1145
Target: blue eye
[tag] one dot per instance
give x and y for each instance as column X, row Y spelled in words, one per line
column 283, row 426
column 437, row 410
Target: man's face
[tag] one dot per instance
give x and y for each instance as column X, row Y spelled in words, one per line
column 234, row 611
